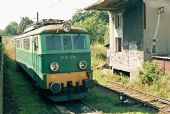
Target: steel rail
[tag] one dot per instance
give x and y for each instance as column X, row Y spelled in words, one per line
column 85, row 103
column 161, row 104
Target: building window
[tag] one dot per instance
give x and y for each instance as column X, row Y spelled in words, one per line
column 154, row 49
column 118, row 44
column 26, row 44
column 144, row 15
column 118, row 21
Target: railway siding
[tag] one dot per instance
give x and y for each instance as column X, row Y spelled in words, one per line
column 158, row 103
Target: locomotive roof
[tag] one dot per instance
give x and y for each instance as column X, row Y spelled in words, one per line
column 56, row 28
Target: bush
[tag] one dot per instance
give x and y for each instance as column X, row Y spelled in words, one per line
column 150, row 73
column 98, row 51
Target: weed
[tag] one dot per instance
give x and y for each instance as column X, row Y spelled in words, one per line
column 150, row 73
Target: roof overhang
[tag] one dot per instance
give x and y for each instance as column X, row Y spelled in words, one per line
column 111, row 5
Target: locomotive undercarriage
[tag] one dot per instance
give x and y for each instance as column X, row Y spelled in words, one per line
column 67, row 93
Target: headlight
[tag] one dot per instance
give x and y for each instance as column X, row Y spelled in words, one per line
column 82, row 65
column 54, row 66
column 67, row 27
column 55, row 87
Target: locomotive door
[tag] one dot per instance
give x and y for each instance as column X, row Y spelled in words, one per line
column 35, row 62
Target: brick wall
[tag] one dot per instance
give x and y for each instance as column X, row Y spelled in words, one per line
column 163, row 63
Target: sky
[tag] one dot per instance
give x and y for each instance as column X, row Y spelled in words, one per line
column 14, row 10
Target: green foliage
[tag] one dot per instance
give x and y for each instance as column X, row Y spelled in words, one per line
column 98, row 55
column 99, row 51
column 14, row 28
column 11, row 29
column 81, row 16
column 95, row 22
column 150, row 73
column 122, row 78
column 24, row 23
column 160, row 88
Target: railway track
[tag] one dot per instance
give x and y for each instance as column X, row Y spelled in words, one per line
column 75, row 107
column 162, row 105
column 93, row 109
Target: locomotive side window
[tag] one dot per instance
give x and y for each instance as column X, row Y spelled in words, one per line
column 18, row 43
column 53, row 42
column 26, row 44
column 79, row 42
column 67, row 42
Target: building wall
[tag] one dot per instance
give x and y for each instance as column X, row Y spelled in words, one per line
column 163, row 63
column 163, row 32
column 131, row 57
column 133, row 27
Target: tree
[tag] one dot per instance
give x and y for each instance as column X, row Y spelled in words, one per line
column 95, row 22
column 81, row 15
column 11, row 29
column 24, row 23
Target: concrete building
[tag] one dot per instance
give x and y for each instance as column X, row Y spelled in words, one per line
column 139, row 30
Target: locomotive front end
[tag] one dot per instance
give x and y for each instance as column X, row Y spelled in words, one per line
column 67, row 64
column 57, row 57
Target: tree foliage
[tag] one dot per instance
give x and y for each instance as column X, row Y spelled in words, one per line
column 95, row 22
column 81, row 15
column 24, row 23
column 11, row 29
column 14, row 28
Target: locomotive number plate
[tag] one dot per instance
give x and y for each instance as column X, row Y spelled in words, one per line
column 67, row 57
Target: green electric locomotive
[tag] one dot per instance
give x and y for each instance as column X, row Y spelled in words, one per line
column 57, row 56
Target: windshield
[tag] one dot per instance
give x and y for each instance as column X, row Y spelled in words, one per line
column 79, row 42
column 53, row 42
column 66, row 42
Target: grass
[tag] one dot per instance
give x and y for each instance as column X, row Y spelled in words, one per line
column 25, row 99
column 160, row 88
column 20, row 97
column 98, row 59
column 107, row 102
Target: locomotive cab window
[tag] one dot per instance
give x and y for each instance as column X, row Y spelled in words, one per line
column 67, row 43
column 53, row 42
column 79, row 42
